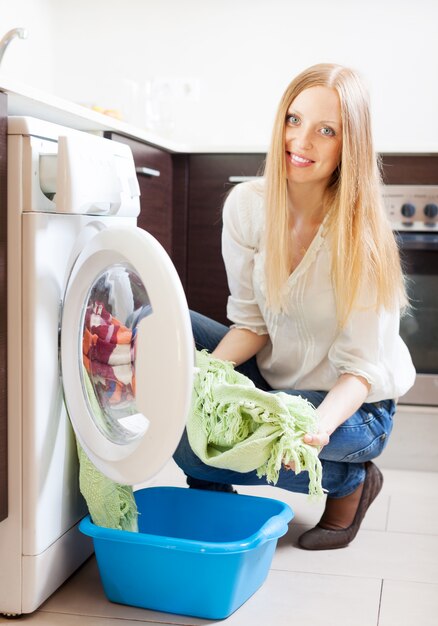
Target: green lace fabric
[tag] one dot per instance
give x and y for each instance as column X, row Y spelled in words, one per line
column 233, row 425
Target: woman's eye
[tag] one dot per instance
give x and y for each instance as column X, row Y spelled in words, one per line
column 329, row 132
column 292, row 119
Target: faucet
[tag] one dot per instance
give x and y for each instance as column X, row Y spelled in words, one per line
column 10, row 35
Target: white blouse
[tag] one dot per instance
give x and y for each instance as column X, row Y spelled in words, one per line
column 306, row 349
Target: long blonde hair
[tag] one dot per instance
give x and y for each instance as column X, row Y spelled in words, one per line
column 365, row 253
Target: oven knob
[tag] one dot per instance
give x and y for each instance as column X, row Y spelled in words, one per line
column 431, row 210
column 408, row 209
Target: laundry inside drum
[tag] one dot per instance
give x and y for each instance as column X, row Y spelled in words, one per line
column 116, row 302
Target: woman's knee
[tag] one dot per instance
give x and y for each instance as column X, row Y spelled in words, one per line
column 361, row 438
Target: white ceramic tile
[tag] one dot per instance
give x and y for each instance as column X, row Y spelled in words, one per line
column 374, row 554
column 284, row 598
column 42, row 618
column 83, row 595
column 403, row 482
column 408, row 604
column 413, row 514
column 288, row 598
column 412, row 445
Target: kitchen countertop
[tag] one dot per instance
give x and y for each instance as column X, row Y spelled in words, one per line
column 29, row 101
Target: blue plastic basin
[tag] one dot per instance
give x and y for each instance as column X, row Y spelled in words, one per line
column 198, row 553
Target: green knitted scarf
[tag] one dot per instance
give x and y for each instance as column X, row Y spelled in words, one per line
column 110, row 505
column 233, row 425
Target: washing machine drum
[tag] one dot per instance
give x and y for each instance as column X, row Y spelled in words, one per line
column 127, row 354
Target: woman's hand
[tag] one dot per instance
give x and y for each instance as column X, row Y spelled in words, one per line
column 347, row 395
column 319, row 440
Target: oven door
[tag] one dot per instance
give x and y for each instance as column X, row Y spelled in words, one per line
column 419, row 327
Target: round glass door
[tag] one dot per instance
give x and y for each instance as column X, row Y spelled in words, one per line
column 127, row 354
column 117, row 302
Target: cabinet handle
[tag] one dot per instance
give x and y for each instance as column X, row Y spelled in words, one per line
column 241, row 179
column 147, row 171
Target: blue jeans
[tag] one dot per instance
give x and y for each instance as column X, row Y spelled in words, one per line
column 360, row 438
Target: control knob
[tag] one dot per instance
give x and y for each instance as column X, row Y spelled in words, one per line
column 431, row 210
column 408, row 209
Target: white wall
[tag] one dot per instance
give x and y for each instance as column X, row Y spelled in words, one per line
column 29, row 61
column 243, row 53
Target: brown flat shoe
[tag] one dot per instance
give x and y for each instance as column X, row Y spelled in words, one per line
column 319, row 538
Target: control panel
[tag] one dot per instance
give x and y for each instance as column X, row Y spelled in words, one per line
column 412, row 207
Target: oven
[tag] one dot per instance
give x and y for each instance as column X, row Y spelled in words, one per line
column 413, row 211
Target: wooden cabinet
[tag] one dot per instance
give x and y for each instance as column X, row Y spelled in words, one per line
column 209, row 183
column 162, row 180
column 410, row 169
column 154, row 173
column 3, row 311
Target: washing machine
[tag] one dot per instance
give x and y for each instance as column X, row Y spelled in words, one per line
column 100, row 349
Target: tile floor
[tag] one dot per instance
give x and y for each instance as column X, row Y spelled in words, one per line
column 387, row 577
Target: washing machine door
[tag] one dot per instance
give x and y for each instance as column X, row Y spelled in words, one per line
column 127, row 354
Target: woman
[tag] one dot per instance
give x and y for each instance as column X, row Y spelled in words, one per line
column 316, row 290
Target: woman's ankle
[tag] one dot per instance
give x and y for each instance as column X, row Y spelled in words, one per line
column 339, row 513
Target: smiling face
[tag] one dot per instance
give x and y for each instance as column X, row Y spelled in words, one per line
column 313, row 136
